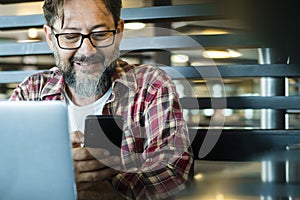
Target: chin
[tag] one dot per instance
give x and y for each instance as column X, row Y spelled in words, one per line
column 88, row 73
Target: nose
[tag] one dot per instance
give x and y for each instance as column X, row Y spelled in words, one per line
column 87, row 48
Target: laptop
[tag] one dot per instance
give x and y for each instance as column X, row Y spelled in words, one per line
column 35, row 151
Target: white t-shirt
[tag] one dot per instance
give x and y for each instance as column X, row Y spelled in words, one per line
column 77, row 114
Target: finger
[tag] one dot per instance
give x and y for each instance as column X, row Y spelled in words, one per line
column 88, row 195
column 76, row 138
column 87, row 154
column 99, row 194
column 94, row 164
column 88, row 165
column 98, row 175
column 98, row 153
column 111, row 161
column 84, row 186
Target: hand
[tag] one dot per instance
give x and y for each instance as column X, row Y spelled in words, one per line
column 99, row 191
column 92, row 165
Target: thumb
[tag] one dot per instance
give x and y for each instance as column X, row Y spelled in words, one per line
column 76, row 138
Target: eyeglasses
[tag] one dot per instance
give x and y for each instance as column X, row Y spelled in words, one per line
column 98, row 39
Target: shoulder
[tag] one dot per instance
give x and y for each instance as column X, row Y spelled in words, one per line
column 142, row 70
column 45, row 76
column 152, row 75
column 43, row 83
column 144, row 77
column 39, row 85
column 141, row 75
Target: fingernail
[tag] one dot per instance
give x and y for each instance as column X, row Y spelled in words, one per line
column 106, row 153
column 116, row 159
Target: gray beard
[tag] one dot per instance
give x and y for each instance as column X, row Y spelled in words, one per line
column 89, row 87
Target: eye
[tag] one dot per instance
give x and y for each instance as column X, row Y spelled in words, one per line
column 70, row 37
column 101, row 35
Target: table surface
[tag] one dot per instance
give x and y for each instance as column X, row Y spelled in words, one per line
column 275, row 175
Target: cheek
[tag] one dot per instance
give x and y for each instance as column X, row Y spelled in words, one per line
column 63, row 57
column 111, row 53
column 66, row 54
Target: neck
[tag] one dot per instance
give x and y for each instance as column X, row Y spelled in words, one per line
column 81, row 100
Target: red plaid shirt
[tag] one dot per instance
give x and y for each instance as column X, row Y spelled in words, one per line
column 155, row 150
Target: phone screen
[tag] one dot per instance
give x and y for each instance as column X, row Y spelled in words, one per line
column 104, row 131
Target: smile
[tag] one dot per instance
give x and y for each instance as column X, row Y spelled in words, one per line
column 86, row 67
column 86, row 63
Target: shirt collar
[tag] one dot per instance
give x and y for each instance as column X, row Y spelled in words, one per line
column 125, row 75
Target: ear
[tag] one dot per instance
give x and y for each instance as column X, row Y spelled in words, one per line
column 120, row 30
column 48, row 34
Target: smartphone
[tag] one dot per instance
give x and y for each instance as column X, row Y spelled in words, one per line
column 104, row 131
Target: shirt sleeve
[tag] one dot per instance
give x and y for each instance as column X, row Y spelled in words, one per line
column 166, row 162
column 19, row 93
column 46, row 85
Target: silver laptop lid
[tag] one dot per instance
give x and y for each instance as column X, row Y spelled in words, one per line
column 35, row 151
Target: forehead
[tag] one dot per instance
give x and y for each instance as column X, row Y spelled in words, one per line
column 85, row 14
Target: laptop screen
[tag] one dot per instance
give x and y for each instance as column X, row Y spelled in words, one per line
column 35, row 151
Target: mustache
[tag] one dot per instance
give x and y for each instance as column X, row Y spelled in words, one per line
column 96, row 58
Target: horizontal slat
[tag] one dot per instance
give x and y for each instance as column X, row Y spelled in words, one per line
column 207, row 72
column 171, row 13
column 16, row 1
column 26, row 21
column 241, row 145
column 14, row 76
column 18, row 64
column 143, row 44
column 19, row 49
column 234, row 71
column 146, row 14
column 242, row 102
column 189, row 42
column 230, row 71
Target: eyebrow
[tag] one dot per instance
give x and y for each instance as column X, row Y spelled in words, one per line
column 92, row 28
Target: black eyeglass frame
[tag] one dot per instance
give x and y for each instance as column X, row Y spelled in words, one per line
column 83, row 36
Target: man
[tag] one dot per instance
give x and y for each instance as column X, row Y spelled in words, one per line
column 156, row 160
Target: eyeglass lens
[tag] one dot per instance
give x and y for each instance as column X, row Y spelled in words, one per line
column 74, row 40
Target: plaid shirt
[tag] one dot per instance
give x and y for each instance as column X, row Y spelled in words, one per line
column 155, row 149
